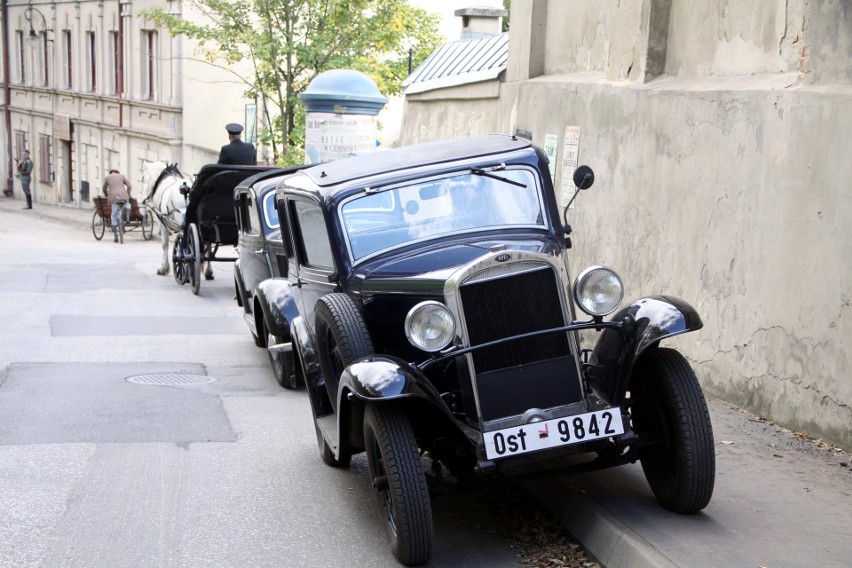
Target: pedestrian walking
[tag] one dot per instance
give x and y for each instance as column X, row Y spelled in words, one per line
column 117, row 191
column 236, row 151
column 25, row 170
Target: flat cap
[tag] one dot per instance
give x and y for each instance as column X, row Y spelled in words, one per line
column 234, row 128
column 25, row 152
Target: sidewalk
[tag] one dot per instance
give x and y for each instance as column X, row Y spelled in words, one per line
column 780, row 501
column 67, row 213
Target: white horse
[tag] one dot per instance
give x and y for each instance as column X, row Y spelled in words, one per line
column 161, row 188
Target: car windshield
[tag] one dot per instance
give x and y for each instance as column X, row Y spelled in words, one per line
column 472, row 201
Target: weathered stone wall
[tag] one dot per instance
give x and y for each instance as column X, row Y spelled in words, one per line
column 723, row 176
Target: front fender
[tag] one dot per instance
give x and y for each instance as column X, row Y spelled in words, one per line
column 384, row 378
column 277, row 304
column 648, row 321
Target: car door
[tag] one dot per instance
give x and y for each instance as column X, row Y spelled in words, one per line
column 253, row 263
column 314, row 265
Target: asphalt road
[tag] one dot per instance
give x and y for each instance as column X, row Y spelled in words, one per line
column 96, row 470
column 100, row 471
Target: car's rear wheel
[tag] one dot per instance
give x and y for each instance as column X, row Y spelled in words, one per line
column 396, row 474
column 282, row 363
column 342, row 338
column 670, row 415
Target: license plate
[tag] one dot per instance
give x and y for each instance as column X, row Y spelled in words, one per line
column 553, row 433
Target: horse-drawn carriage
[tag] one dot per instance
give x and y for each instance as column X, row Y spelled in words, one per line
column 136, row 219
column 209, row 222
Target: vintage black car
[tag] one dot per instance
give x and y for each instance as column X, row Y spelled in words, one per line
column 261, row 255
column 428, row 305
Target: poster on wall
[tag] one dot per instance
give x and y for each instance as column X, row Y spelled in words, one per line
column 250, row 134
column 331, row 137
column 570, row 160
column 551, row 145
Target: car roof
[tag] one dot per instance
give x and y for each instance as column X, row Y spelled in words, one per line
column 416, row 155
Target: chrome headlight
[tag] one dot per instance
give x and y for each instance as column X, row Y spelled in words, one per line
column 598, row 291
column 430, row 326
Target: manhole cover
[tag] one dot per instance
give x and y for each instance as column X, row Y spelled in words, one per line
column 170, row 379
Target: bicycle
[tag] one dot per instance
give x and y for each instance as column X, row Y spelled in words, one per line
column 119, row 228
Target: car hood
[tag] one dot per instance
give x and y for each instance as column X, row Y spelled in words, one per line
column 424, row 271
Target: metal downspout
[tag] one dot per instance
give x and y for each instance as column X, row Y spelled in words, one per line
column 7, row 93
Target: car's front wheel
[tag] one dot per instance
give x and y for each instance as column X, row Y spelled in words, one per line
column 670, row 416
column 396, row 474
column 342, row 339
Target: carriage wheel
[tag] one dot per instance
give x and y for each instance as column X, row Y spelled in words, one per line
column 193, row 260
column 178, row 264
column 120, row 227
column 98, row 226
column 147, row 225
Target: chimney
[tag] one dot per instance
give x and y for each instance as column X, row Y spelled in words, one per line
column 481, row 21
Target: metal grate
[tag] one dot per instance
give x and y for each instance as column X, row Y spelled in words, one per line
column 170, row 379
column 513, row 305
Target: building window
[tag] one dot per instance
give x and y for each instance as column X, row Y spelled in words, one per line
column 66, row 59
column 20, row 143
column 91, row 60
column 115, row 67
column 45, row 162
column 20, row 64
column 149, row 65
column 44, row 54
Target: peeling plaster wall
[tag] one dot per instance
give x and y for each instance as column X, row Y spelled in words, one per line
column 725, row 181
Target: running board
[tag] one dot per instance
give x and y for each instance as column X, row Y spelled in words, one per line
column 281, row 348
column 328, row 429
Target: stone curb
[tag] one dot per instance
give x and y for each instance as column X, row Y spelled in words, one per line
column 602, row 535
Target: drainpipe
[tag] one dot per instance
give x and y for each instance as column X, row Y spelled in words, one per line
column 119, row 84
column 7, row 93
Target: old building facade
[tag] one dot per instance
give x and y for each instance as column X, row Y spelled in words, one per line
column 90, row 85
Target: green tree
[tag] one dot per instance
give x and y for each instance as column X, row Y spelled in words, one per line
column 287, row 43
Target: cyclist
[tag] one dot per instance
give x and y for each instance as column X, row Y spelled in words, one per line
column 117, row 190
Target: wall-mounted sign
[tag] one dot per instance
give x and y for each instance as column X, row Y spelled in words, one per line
column 570, row 160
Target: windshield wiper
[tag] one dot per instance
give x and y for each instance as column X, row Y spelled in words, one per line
column 479, row 172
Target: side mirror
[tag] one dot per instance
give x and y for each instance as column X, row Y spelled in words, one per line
column 584, row 177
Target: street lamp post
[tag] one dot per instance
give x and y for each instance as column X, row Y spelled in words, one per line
column 28, row 16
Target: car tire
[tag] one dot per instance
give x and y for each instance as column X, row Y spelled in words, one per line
column 670, row 412
column 396, row 474
column 282, row 363
column 342, row 338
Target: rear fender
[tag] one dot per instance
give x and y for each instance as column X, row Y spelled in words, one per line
column 240, row 287
column 274, row 297
column 305, row 351
column 648, row 321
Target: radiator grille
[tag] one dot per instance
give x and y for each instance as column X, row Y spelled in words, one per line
column 513, row 305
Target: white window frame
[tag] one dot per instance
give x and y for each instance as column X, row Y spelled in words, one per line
column 149, row 65
column 91, row 48
column 67, row 60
